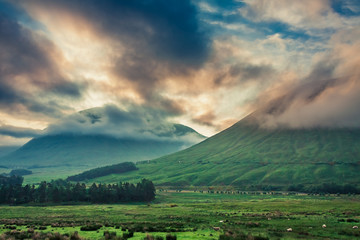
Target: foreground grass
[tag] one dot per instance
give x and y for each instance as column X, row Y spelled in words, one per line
column 193, row 215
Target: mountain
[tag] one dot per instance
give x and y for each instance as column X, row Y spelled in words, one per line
column 94, row 138
column 5, row 150
column 246, row 155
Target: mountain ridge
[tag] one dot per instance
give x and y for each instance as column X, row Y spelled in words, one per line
column 102, row 136
column 90, row 150
column 246, row 155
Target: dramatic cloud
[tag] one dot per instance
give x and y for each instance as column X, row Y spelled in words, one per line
column 134, row 123
column 205, row 64
column 328, row 96
column 150, row 40
column 28, row 71
column 18, row 132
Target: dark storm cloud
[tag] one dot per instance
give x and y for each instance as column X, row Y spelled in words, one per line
column 161, row 37
column 174, row 45
column 13, row 99
column 18, row 132
column 28, row 73
column 18, row 51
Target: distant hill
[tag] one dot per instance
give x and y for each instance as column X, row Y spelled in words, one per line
column 5, row 150
column 103, row 171
column 87, row 151
column 248, row 156
column 86, row 146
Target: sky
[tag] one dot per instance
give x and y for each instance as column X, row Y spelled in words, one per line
column 205, row 64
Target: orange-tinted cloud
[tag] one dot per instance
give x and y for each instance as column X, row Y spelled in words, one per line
column 327, row 97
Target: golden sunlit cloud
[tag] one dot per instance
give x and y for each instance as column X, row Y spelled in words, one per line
column 198, row 67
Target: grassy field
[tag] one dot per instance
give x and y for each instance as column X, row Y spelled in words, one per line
column 48, row 174
column 193, row 215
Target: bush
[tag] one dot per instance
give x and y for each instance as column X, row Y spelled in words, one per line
column 352, row 220
column 94, row 227
column 349, row 233
column 170, row 237
column 128, row 235
column 151, row 237
column 109, row 235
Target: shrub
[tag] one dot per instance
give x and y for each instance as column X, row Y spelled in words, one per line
column 93, row 227
column 352, row 220
column 128, row 235
column 109, row 235
column 150, row 237
column 170, row 237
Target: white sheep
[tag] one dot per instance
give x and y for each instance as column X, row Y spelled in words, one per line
column 289, row 230
column 355, row 227
column 323, row 226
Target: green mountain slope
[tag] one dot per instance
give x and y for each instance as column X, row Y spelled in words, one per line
column 86, row 151
column 69, row 150
column 245, row 155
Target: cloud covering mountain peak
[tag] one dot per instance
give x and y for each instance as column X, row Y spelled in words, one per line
column 134, row 123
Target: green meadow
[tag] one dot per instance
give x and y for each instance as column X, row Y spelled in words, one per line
column 197, row 215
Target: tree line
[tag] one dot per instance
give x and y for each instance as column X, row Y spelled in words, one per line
column 331, row 188
column 104, row 171
column 13, row 192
